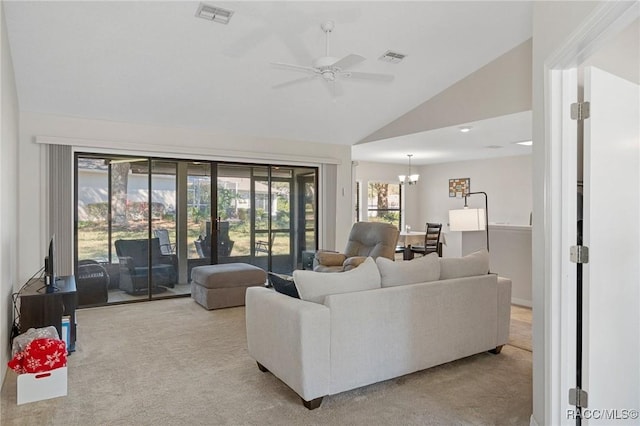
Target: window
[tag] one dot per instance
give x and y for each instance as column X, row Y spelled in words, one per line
column 196, row 212
column 384, row 202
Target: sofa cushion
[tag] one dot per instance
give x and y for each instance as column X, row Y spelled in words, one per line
column 476, row 263
column 283, row 284
column 419, row 270
column 314, row 286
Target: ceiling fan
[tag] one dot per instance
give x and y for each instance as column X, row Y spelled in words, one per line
column 331, row 69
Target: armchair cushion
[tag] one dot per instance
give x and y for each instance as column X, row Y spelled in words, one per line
column 373, row 239
column 366, row 239
column 313, row 286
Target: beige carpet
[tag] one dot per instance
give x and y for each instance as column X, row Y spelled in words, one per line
column 171, row 362
column 520, row 333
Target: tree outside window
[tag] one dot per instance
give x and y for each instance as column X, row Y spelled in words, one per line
column 383, row 203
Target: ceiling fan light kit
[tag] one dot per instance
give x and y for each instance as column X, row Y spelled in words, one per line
column 329, row 68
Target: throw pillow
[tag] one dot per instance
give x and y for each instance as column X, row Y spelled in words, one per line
column 283, row 284
column 419, row 270
column 476, row 263
column 314, row 286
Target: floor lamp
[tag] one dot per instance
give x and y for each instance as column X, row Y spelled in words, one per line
column 467, row 219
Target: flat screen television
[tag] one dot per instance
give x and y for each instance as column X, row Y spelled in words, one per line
column 49, row 267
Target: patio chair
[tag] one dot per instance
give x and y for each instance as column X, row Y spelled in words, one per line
column 92, row 283
column 225, row 244
column 166, row 247
column 134, row 266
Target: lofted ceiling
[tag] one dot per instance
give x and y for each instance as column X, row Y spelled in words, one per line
column 156, row 63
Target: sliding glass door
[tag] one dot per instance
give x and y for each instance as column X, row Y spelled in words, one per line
column 147, row 222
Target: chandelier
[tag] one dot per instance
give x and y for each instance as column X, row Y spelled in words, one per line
column 410, row 178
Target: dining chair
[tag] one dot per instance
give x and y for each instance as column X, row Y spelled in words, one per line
column 431, row 240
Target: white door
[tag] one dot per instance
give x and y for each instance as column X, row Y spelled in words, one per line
column 611, row 358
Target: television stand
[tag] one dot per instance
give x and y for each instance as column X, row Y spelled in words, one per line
column 38, row 308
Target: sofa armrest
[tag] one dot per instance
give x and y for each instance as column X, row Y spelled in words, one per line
column 504, row 310
column 290, row 337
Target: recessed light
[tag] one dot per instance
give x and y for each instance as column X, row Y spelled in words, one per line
column 525, row 143
column 465, row 129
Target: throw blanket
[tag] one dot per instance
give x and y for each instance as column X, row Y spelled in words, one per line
column 40, row 355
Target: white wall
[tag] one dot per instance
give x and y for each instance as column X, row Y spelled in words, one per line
column 501, row 87
column 8, row 194
column 98, row 135
column 506, row 180
column 510, row 256
column 380, row 172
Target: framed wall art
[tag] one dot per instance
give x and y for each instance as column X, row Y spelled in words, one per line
column 459, row 187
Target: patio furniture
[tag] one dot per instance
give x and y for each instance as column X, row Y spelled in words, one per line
column 92, row 283
column 225, row 244
column 134, row 266
column 263, row 246
column 166, row 247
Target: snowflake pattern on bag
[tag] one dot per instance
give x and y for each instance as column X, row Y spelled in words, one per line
column 40, row 355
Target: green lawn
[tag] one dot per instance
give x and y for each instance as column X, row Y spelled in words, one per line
column 93, row 237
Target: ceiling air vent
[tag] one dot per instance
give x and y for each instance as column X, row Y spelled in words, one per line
column 393, row 57
column 212, row 13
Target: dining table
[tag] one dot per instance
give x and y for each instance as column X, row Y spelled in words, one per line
column 409, row 238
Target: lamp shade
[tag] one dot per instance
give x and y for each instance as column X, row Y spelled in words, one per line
column 467, row 219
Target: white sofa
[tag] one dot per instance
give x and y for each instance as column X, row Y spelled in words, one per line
column 362, row 331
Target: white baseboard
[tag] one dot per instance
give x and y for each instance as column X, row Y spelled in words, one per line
column 521, row 302
column 532, row 421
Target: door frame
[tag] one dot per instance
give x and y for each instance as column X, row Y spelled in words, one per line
column 558, row 221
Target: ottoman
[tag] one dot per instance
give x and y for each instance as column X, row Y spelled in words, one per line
column 224, row 285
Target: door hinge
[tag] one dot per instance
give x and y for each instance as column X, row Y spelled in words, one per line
column 579, row 254
column 580, row 110
column 578, row 397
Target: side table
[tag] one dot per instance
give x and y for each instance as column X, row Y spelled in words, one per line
column 41, row 309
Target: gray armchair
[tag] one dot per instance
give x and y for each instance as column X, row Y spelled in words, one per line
column 134, row 270
column 366, row 239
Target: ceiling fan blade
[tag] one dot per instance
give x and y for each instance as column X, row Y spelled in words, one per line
column 294, row 67
column 348, row 61
column 368, row 76
column 292, row 82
